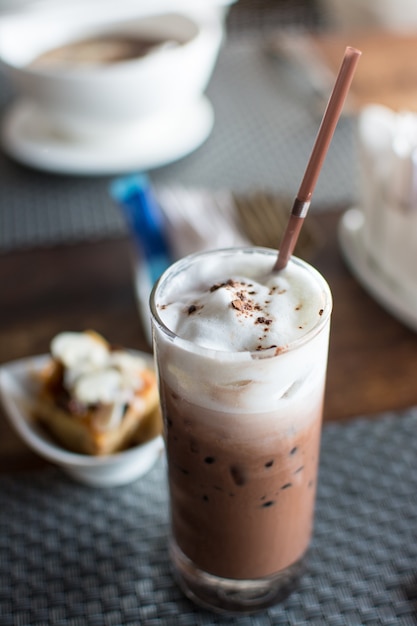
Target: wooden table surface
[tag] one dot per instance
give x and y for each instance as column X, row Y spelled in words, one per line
column 372, row 359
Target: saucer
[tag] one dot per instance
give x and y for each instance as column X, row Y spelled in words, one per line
column 387, row 292
column 17, row 388
column 143, row 145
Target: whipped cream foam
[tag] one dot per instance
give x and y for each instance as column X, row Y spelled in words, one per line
column 232, row 335
column 242, row 305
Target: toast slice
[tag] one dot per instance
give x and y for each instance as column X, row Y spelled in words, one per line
column 95, row 399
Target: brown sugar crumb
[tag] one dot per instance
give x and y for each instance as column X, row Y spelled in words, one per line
column 216, row 286
column 263, row 320
column 228, row 283
column 261, row 347
column 321, row 312
column 241, row 303
column 193, row 308
column 238, row 305
column 241, row 298
column 298, row 307
column 279, row 350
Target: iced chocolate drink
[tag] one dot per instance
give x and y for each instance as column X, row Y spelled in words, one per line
column 241, row 353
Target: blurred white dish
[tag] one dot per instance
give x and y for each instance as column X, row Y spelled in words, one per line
column 17, row 386
column 382, row 288
column 148, row 143
column 395, row 15
column 89, row 99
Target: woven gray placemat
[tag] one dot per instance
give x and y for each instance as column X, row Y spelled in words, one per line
column 263, row 134
column 76, row 556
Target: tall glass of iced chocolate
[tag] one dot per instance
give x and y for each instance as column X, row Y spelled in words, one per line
column 241, row 354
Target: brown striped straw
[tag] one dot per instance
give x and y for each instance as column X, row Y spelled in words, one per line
column 324, row 136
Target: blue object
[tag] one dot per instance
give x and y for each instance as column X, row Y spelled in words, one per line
column 145, row 221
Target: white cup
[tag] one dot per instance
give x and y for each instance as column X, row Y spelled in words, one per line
column 89, row 101
column 388, row 163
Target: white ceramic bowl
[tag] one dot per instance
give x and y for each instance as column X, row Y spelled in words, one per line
column 17, row 386
column 394, row 15
column 98, row 99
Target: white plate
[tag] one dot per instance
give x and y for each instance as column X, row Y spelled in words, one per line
column 17, row 387
column 383, row 289
column 143, row 145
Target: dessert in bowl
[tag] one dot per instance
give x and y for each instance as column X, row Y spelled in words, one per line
column 88, row 407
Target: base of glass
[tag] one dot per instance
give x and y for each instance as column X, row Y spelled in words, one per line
column 230, row 596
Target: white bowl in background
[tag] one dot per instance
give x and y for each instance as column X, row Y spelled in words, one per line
column 17, row 389
column 355, row 15
column 101, row 99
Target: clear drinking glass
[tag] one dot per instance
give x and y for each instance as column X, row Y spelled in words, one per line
column 242, row 434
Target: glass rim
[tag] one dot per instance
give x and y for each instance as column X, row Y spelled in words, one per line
column 190, row 346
